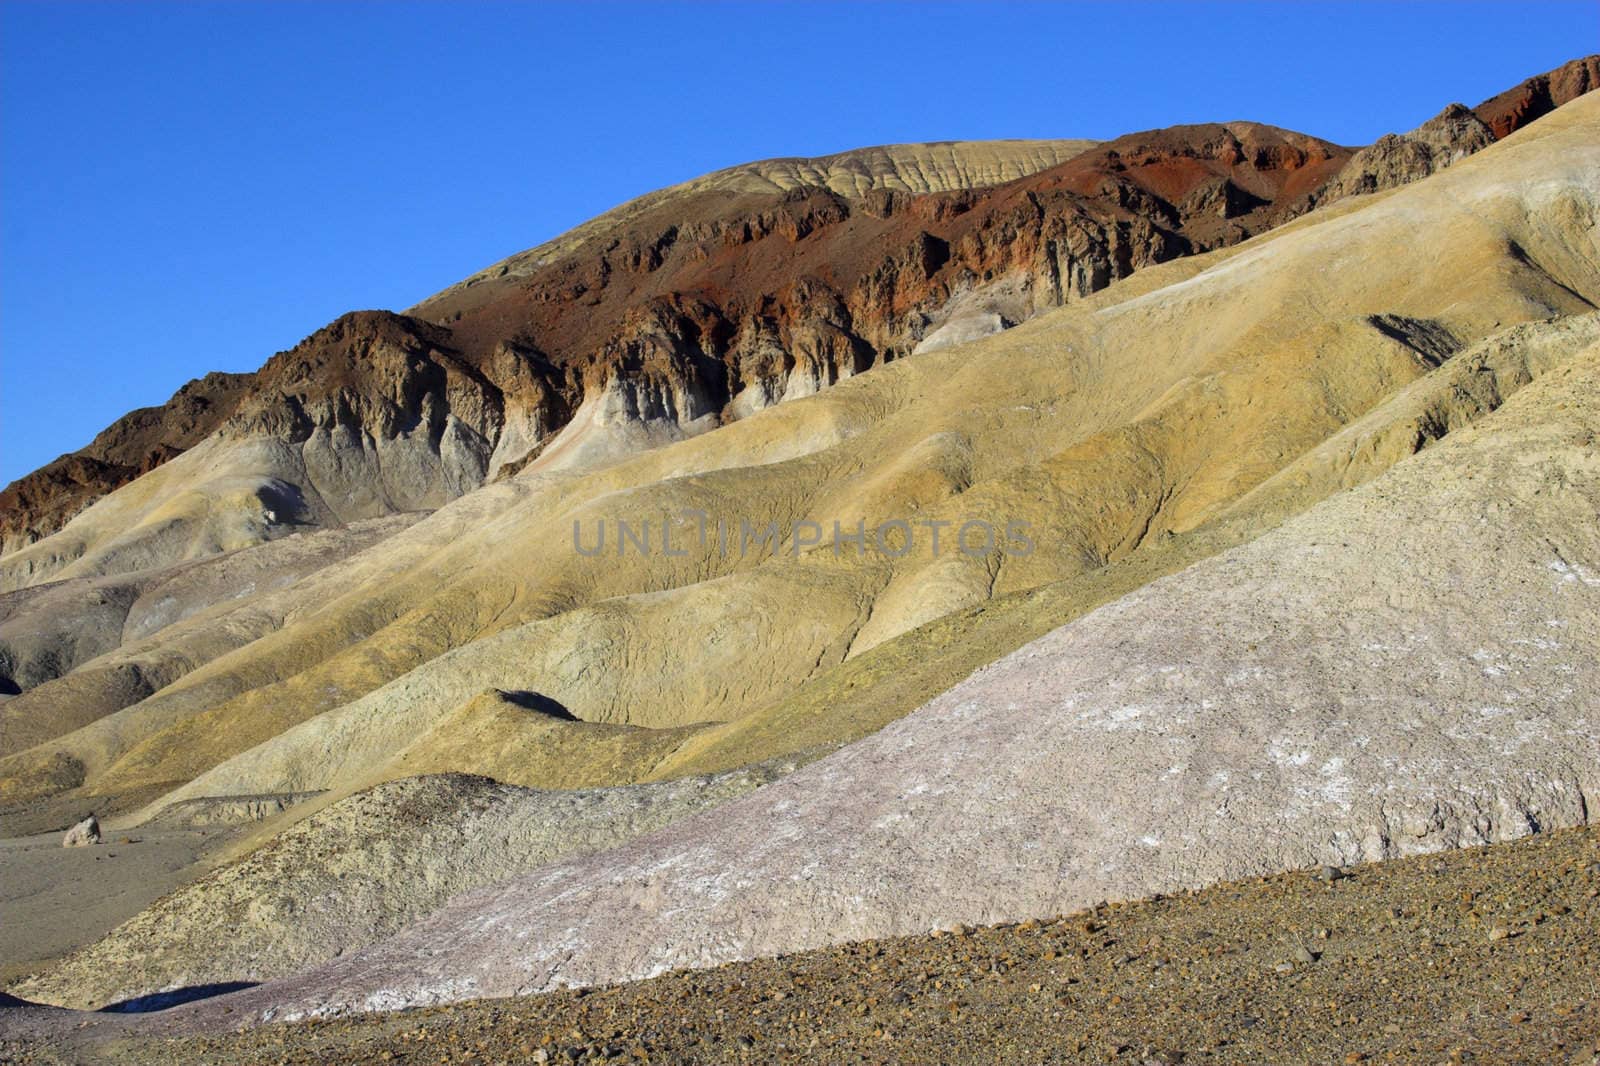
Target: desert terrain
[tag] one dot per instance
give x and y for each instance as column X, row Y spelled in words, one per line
column 570, row 666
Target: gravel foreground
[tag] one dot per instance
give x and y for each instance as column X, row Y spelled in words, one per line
column 1488, row 955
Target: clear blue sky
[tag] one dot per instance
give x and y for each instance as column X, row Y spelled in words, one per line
column 188, row 187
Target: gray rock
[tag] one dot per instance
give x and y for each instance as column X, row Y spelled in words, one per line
column 1397, row 159
column 357, row 871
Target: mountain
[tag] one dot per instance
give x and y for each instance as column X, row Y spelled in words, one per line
column 686, row 311
column 37, row 505
column 1269, row 545
column 698, row 304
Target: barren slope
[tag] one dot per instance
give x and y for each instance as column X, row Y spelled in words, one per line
column 50, row 630
column 34, row 506
column 358, row 871
column 710, row 299
column 1407, row 667
column 40, row 503
column 1397, row 961
column 713, row 302
column 1148, row 410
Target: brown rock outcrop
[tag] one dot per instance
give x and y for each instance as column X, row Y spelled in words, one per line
column 1458, row 131
column 1539, row 95
column 34, row 506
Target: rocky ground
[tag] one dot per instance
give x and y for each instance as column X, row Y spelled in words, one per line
column 1484, row 955
column 54, row 899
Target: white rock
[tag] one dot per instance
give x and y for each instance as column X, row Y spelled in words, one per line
column 85, row 832
column 962, row 330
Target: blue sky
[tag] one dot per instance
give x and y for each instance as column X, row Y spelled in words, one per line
column 191, row 187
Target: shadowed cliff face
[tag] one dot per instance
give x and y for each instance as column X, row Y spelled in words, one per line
column 701, row 304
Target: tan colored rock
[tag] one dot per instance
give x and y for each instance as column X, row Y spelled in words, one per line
column 1347, row 445
column 1115, row 426
column 962, row 329
column 694, row 292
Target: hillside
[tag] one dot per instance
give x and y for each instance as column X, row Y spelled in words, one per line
column 1059, row 423
column 1266, row 476
column 1371, row 732
column 1285, row 968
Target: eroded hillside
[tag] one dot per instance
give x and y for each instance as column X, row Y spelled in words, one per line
column 1065, row 424
column 1405, row 666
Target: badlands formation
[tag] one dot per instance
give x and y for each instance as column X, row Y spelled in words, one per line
column 1268, row 481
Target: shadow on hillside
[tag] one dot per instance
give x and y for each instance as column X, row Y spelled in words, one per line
column 176, row 997
column 534, row 701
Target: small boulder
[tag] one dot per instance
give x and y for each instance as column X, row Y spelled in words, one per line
column 85, row 832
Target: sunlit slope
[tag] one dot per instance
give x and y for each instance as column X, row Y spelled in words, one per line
column 1112, row 428
column 872, row 690
column 1408, row 666
column 424, row 413
column 682, row 310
